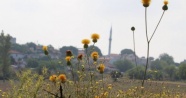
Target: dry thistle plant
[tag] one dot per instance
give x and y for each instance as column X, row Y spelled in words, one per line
column 146, row 4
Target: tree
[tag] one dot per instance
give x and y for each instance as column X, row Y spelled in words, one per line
column 12, row 60
column 31, row 45
column 126, row 51
column 18, row 47
column 71, row 48
column 136, row 72
column 4, row 53
column 182, row 71
column 165, row 57
column 123, row 65
column 32, row 63
column 170, row 70
column 158, row 64
column 94, row 48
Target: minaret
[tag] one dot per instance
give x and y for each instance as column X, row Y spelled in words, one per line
column 110, row 40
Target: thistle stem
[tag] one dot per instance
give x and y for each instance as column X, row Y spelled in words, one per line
column 146, row 23
column 144, row 76
column 157, row 26
column 148, row 42
column 134, row 48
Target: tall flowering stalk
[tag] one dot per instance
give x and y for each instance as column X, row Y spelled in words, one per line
column 85, row 43
column 101, row 69
column 146, row 4
column 133, row 29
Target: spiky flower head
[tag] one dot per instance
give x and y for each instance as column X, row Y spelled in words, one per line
column 94, row 55
column 146, row 3
column 62, row 78
column 101, row 68
column 165, row 2
column 53, row 78
column 45, row 49
column 80, row 56
column 68, row 53
column 85, row 42
column 68, row 58
column 95, row 37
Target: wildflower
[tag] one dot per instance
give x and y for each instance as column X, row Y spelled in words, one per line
column 45, row 49
column 68, row 58
column 142, row 87
column 83, row 68
column 80, row 56
column 104, row 95
column 146, row 3
column 62, row 78
column 94, row 55
column 53, row 78
column 78, row 72
column 101, row 68
column 109, row 86
column 96, row 97
column 95, row 37
column 165, row 7
column 85, row 42
column 133, row 28
column 68, row 53
column 165, row 2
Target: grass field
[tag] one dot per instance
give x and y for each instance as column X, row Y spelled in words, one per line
column 123, row 88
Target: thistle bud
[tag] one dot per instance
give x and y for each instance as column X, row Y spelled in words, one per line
column 165, row 7
column 133, row 28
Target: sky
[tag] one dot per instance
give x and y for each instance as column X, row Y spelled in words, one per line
column 66, row 22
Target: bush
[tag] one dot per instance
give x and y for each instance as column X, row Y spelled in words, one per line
column 136, row 72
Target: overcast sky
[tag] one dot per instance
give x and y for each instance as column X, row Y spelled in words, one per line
column 67, row 22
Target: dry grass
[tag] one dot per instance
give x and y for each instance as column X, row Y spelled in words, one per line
column 4, row 85
column 122, row 88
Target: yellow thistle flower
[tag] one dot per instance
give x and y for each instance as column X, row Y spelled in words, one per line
column 94, row 55
column 101, row 68
column 68, row 58
column 95, row 37
column 165, row 2
column 146, row 3
column 45, row 48
column 62, row 78
column 53, row 78
column 85, row 41
column 109, row 86
column 96, row 97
